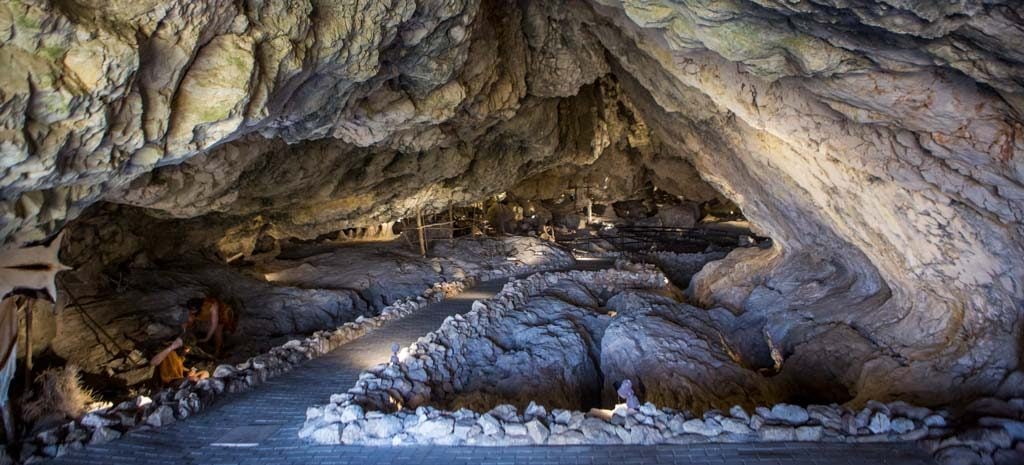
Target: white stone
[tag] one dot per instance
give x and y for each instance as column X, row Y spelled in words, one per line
column 350, row 413
column 537, row 432
column 880, row 423
column 902, row 425
column 329, row 434
column 791, row 414
column 490, row 425
column 809, row 433
column 702, row 427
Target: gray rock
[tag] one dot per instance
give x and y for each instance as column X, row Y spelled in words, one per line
column 224, row 371
column 735, row 426
column 434, row 428
column 756, row 422
column 328, row 434
column 809, row 433
column 491, row 426
column 791, row 414
column 880, row 423
column 162, row 416
column 505, row 413
column 96, row 420
column 828, row 417
column 383, row 427
column 777, row 433
column 514, row 429
column 350, row 413
column 738, row 412
column 536, row 431
column 1014, row 428
column 103, row 435
column 534, row 411
column 958, row 455
column 902, row 425
column 702, row 427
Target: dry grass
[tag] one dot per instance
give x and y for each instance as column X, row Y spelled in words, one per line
column 59, row 392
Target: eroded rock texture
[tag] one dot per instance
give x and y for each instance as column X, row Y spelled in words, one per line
column 880, row 144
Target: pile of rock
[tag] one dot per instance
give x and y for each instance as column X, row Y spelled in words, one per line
column 189, row 398
column 389, row 404
column 995, row 438
column 428, row 374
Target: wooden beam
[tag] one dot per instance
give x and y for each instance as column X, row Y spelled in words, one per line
column 451, row 219
column 28, row 343
column 419, row 228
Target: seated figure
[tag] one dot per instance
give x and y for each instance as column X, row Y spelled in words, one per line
column 170, row 365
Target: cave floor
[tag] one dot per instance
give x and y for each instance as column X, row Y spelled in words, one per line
column 261, row 426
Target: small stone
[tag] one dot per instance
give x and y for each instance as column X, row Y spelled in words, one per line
column 436, row 428
column 702, row 427
column 792, row 414
column 809, row 433
column 957, row 455
column 735, row 426
column 934, row 421
column 223, row 371
column 1014, row 428
column 902, row 425
column 162, row 416
column 383, row 427
column 536, row 431
column 515, row 429
column 829, row 417
column 505, row 412
column 756, row 422
column 649, row 409
column 96, row 420
column 490, row 425
column 777, row 433
column 880, row 423
column 738, row 412
column 534, row 411
column 103, row 435
column 330, row 434
column 350, row 413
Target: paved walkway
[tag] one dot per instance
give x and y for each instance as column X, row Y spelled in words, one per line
column 270, row 416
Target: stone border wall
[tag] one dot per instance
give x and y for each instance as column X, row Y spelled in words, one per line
column 372, row 413
column 189, row 398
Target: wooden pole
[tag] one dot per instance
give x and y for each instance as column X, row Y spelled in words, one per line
column 451, row 219
column 419, row 227
column 28, row 345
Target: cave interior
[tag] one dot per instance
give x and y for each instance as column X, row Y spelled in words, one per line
column 833, row 192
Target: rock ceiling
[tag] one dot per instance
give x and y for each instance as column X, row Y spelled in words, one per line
column 880, row 143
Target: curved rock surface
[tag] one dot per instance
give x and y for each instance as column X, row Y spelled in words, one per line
column 879, row 143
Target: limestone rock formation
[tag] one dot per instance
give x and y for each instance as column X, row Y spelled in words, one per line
column 880, row 144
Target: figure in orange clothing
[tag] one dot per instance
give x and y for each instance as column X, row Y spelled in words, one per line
column 218, row 317
column 170, row 365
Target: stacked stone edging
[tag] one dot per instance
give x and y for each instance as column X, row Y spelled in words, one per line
column 189, row 398
column 375, row 412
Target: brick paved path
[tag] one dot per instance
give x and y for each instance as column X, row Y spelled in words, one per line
column 277, row 410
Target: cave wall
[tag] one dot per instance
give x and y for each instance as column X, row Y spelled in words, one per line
column 880, row 144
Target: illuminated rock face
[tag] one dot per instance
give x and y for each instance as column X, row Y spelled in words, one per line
column 880, row 146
